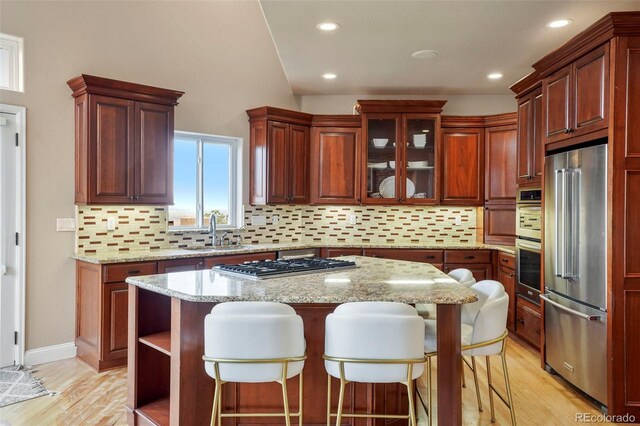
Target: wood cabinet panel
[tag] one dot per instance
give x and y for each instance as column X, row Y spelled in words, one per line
column 278, row 168
column 528, row 321
column 210, row 262
column 500, row 224
column 537, row 156
column 111, row 149
column 525, row 129
column 335, row 165
column 114, row 323
column 258, row 162
column 414, row 255
column 120, row 271
column 506, row 260
column 298, row 164
column 154, row 153
column 180, row 265
column 467, row 256
column 87, row 306
column 557, row 94
column 462, row 166
column 506, row 277
column 591, row 85
column 500, row 164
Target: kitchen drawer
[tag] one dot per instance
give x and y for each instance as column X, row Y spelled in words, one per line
column 180, row 265
column 506, row 260
column 467, row 256
column 335, row 252
column 428, row 256
column 528, row 321
column 210, row 262
column 119, row 272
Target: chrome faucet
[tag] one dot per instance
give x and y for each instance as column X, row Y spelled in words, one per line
column 213, row 230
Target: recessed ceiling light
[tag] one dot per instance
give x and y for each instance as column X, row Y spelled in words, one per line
column 494, row 76
column 559, row 23
column 327, row 26
column 425, row 54
column 329, row 76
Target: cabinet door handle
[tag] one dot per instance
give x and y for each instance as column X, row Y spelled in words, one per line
column 511, row 275
column 134, row 271
column 520, row 321
column 132, row 198
column 567, row 130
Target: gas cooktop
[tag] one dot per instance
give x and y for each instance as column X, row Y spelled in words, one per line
column 262, row 269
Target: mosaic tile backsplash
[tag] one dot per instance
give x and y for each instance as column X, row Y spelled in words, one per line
column 140, row 227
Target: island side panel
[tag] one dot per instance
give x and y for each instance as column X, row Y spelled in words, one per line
column 449, row 365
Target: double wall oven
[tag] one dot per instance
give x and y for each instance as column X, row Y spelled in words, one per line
column 528, row 243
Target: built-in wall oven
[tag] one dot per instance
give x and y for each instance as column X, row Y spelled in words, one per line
column 528, row 245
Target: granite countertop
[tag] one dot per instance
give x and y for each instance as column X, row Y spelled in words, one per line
column 373, row 279
column 165, row 254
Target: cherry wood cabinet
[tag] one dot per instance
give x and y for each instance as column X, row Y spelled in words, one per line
column 500, row 167
column 500, row 224
column 576, row 97
column 279, row 156
column 530, row 136
column 336, row 160
column 336, row 252
column 123, row 142
column 528, row 322
column 400, row 151
column 180, row 265
column 506, row 270
column 462, row 181
column 210, row 262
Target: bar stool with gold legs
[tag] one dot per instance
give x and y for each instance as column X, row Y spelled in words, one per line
column 484, row 333
column 254, row 342
column 373, row 343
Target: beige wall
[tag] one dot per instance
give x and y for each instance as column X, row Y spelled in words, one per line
column 456, row 104
column 219, row 53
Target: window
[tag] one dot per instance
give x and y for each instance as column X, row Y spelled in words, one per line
column 11, row 63
column 206, row 181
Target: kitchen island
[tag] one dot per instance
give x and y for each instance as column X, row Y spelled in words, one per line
column 167, row 383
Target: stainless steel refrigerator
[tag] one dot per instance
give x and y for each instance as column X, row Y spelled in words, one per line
column 575, row 261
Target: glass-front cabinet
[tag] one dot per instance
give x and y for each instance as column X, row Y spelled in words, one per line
column 400, row 158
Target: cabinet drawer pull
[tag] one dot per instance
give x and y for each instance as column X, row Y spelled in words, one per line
column 505, row 260
column 511, row 275
column 133, row 271
column 430, row 256
column 469, row 256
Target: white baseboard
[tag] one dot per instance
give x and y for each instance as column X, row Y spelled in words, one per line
column 50, row 354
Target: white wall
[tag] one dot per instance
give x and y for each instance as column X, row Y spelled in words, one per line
column 219, row 53
column 456, row 104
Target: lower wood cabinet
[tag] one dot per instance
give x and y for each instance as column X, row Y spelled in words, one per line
column 102, row 303
column 529, row 321
column 413, row 255
column 507, row 277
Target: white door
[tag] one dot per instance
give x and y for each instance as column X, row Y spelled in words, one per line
column 8, row 231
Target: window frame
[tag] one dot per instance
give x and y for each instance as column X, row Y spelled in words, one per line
column 235, row 179
column 15, row 67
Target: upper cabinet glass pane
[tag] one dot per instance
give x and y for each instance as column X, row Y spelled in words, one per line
column 381, row 158
column 420, row 158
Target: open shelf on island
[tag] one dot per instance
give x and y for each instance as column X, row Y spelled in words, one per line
column 159, row 341
column 156, row 411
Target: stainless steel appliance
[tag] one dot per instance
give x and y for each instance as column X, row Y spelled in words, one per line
column 575, row 200
column 528, row 234
column 263, row 269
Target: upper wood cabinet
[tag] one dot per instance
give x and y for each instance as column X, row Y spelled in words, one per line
column 279, row 156
column 462, row 181
column 400, row 151
column 500, row 167
column 576, row 97
column 123, row 142
column 335, row 169
column 530, row 137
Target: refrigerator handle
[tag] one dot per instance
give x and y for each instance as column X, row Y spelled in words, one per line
column 559, row 221
column 571, row 249
column 547, row 299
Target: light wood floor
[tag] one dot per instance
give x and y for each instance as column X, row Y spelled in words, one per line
column 85, row 397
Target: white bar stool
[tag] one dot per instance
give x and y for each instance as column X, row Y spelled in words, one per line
column 462, row 275
column 373, row 342
column 254, row 342
column 484, row 333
